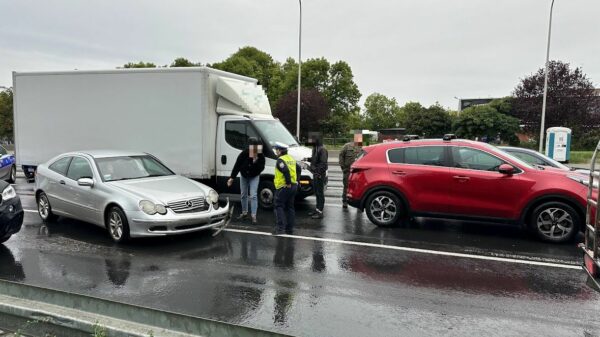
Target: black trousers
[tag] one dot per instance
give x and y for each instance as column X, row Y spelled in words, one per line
column 345, row 191
column 284, row 208
column 319, row 186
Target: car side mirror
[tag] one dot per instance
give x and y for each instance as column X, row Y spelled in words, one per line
column 506, row 169
column 85, row 182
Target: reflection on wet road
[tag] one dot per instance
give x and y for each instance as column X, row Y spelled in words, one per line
column 309, row 287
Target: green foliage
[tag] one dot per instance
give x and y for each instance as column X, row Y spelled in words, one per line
column 140, row 64
column 6, row 115
column 581, row 157
column 432, row 122
column 586, row 141
column 99, row 331
column 484, row 120
column 183, row 62
column 382, row 112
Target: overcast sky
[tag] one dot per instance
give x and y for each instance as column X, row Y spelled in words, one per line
column 419, row 50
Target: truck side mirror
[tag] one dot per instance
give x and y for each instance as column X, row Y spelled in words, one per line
column 223, row 159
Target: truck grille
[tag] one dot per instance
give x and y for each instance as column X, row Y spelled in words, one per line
column 188, row 206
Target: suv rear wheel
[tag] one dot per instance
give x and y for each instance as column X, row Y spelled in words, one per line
column 384, row 209
column 555, row 222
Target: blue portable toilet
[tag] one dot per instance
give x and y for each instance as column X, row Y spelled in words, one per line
column 558, row 144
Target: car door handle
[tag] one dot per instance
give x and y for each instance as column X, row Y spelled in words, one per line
column 461, row 178
column 62, row 182
column 399, row 173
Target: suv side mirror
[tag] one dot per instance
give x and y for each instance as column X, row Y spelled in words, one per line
column 506, row 169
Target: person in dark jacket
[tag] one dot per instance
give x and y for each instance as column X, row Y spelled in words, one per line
column 318, row 167
column 250, row 163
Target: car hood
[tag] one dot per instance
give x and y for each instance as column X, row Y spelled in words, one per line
column 300, row 152
column 162, row 189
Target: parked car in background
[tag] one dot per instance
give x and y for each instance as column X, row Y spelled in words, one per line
column 11, row 212
column 466, row 180
column 130, row 194
column 533, row 157
column 8, row 166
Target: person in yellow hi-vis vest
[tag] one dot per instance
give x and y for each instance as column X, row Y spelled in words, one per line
column 287, row 172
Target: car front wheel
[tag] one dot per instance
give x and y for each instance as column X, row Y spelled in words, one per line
column 555, row 222
column 117, row 225
column 13, row 175
column 384, row 209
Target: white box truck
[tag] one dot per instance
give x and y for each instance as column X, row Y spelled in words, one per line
column 196, row 120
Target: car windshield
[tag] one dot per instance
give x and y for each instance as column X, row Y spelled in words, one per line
column 273, row 131
column 131, row 167
column 510, row 156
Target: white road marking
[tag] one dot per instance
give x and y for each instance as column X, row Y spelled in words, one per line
column 400, row 248
column 413, row 250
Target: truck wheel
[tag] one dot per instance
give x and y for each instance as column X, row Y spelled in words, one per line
column 384, row 209
column 117, row 225
column 266, row 194
column 555, row 222
column 44, row 208
column 13, row 175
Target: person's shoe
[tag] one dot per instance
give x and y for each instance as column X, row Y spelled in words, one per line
column 345, row 205
column 254, row 222
column 317, row 215
column 277, row 232
column 242, row 216
column 289, row 231
column 313, row 212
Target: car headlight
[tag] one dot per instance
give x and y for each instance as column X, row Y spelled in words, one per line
column 583, row 180
column 151, row 208
column 8, row 193
column 213, row 196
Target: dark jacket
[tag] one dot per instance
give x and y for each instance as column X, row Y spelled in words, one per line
column 247, row 166
column 318, row 161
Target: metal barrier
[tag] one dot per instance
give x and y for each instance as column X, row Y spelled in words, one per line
column 83, row 315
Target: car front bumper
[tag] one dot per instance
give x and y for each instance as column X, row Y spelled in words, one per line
column 11, row 216
column 144, row 225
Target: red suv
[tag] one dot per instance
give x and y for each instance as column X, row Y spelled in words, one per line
column 465, row 180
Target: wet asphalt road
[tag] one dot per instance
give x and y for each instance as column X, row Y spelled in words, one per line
column 340, row 276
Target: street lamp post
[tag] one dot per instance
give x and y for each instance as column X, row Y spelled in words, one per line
column 546, row 81
column 300, row 71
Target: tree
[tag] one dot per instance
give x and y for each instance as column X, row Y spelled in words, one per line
column 382, row 112
column 570, row 100
column 314, row 111
column 6, row 115
column 140, row 64
column 183, row 62
column 429, row 122
column 485, row 121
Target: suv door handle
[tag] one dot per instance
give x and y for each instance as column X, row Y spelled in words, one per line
column 461, row 178
column 399, row 173
column 62, row 182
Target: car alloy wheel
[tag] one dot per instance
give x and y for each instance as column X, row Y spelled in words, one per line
column 13, row 174
column 43, row 207
column 555, row 223
column 115, row 226
column 383, row 209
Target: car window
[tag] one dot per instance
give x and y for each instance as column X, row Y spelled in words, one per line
column 425, row 155
column 79, row 168
column 61, row 165
column 237, row 134
column 531, row 159
column 473, row 159
column 3, row 151
column 396, row 156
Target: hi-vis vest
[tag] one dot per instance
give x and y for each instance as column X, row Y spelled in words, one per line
column 279, row 177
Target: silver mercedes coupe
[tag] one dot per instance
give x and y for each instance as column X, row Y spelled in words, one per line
column 129, row 194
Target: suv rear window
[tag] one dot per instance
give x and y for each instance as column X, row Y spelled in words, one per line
column 423, row 155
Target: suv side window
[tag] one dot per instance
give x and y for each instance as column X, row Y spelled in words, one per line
column 396, row 156
column 61, row 165
column 237, row 134
column 79, row 168
column 528, row 158
column 473, row 159
column 425, row 155
column 2, row 151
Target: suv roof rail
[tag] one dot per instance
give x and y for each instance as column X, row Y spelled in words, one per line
column 449, row 137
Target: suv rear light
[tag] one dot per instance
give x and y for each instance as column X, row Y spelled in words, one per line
column 590, row 265
column 358, row 169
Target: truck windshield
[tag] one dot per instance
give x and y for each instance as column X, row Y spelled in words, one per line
column 131, row 167
column 273, row 131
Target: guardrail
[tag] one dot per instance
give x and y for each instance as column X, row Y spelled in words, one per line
column 40, row 310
